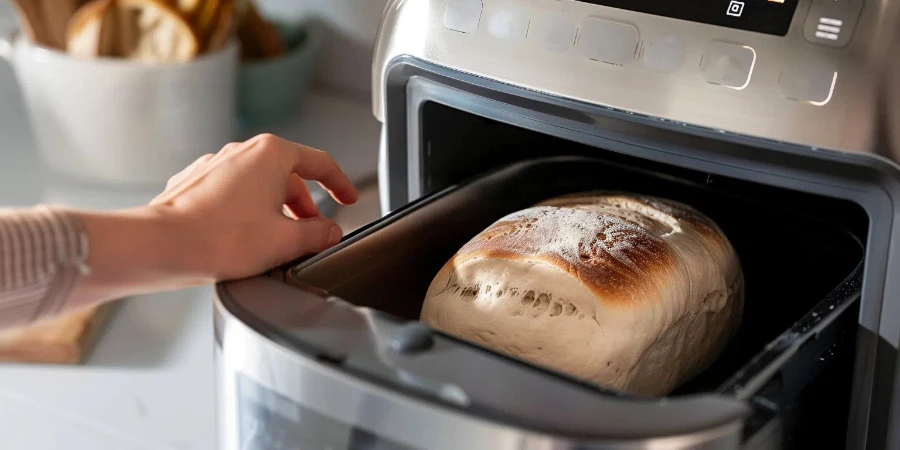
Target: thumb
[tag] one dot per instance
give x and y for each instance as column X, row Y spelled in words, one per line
column 304, row 236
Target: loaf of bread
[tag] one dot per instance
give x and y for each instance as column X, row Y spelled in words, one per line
column 628, row 292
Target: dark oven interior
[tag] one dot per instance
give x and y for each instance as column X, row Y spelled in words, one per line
column 795, row 247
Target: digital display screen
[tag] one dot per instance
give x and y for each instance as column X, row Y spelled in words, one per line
column 763, row 16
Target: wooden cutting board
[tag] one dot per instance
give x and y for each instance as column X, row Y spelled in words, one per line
column 64, row 340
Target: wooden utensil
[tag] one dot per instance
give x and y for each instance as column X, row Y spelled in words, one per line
column 223, row 27
column 29, row 16
column 205, row 19
column 64, row 340
column 56, row 15
column 259, row 38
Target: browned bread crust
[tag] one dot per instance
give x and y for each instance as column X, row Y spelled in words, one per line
column 626, row 291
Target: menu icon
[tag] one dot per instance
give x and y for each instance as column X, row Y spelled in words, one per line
column 829, row 28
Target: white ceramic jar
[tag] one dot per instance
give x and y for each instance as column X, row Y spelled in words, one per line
column 124, row 122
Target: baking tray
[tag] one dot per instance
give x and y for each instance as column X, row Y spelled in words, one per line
column 797, row 253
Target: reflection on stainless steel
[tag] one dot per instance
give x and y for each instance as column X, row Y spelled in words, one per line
column 356, row 404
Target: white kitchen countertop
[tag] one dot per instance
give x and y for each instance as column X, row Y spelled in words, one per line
column 149, row 383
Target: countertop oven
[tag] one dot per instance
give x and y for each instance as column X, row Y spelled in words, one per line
column 777, row 119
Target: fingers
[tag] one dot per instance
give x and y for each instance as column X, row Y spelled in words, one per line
column 312, row 164
column 298, row 200
column 306, row 236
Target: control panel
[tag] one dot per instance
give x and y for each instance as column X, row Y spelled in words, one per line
column 792, row 71
column 724, row 63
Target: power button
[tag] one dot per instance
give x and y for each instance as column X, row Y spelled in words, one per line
column 832, row 22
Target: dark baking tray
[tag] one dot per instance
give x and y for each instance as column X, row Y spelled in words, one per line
column 795, row 249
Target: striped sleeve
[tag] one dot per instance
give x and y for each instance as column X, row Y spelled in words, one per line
column 43, row 252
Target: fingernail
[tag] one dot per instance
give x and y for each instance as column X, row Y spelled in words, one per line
column 334, row 234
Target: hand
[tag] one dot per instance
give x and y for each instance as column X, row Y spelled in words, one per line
column 230, row 215
column 236, row 200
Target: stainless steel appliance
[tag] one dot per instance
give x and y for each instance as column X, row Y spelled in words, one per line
column 778, row 118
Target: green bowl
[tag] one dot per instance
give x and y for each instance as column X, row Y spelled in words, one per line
column 270, row 90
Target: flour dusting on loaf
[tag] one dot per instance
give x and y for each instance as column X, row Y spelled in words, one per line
column 629, row 292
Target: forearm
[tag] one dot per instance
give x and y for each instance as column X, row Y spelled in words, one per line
column 138, row 251
column 55, row 260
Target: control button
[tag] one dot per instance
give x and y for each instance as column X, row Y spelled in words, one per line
column 727, row 64
column 462, row 15
column 666, row 53
column 735, row 8
column 555, row 31
column 809, row 82
column 607, row 41
column 413, row 337
column 832, row 22
column 507, row 21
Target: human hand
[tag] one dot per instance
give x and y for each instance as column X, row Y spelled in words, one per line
column 236, row 203
column 231, row 215
column 225, row 216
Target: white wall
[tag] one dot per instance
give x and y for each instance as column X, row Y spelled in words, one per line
column 352, row 25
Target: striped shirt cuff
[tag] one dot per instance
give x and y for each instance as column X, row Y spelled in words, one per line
column 43, row 252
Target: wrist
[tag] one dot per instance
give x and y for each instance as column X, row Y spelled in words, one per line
column 141, row 250
column 182, row 249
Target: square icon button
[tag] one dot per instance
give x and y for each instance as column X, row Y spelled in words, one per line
column 462, row 15
column 735, row 8
column 728, row 65
column 607, row 41
column 809, row 82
